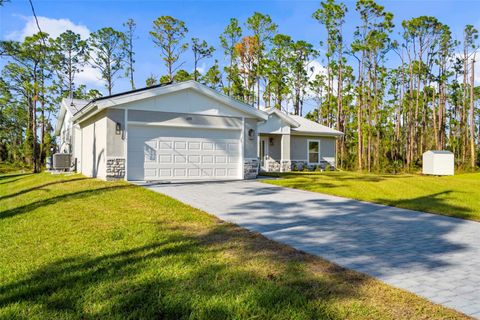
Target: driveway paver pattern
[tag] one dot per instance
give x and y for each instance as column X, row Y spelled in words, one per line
column 433, row 256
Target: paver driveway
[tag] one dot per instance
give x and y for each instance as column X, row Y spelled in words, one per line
column 433, row 256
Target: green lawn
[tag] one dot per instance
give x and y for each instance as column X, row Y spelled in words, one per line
column 72, row 247
column 456, row 196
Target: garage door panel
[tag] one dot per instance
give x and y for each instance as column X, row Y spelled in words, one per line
column 221, row 159
column 233, row 147
column 232, row 172
column 194, row 158
column 194, row 173
column 150, row 154
column 165, row 145
column 180, row 172
column 190, row 154
column 164, row 173
column 152, row 172
column 207, row 172
column 194, row 145
column 221, row 146
column 165, row 158
column 220, row 172
column 233, row 159
column 179, row 159
column 180, row 145
column 207, row 159
column 207, row 146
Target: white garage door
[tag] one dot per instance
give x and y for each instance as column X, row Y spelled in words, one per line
column 168, row 153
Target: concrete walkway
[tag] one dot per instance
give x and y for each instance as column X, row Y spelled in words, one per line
column 433, row 256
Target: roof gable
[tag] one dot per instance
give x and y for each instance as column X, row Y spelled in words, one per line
column 70, row 106
column 298, row 125
column 120, row 100
column 283, row 116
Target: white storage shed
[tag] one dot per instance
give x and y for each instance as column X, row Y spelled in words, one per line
column 438, row 162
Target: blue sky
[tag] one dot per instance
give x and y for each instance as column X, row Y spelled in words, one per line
column 206, row 20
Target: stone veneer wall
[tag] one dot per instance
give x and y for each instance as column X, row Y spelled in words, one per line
column 276, row 166
column 272, row 165
column 115, row 168
column 286, row 166
column 302, row 164
column 250, row 168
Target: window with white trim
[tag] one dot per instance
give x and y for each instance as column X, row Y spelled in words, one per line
column 313, row 151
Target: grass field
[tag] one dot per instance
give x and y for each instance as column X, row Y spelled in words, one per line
column 78, row 248
column 456, row 196
column 12, row 168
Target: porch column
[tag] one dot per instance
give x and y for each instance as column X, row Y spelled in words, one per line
column 285, row 163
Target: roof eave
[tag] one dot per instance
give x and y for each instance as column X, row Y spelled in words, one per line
column 316, row 133
column 86, row 112
column 61, row 118
column 291, row 122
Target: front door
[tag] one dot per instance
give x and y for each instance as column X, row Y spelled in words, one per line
column 263, row 151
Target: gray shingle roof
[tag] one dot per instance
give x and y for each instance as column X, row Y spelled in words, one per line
column 311, row 127
column 76, row 105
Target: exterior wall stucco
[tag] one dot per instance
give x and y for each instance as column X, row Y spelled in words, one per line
column 274, row 125
column 186, row 101
column 76, row 144
column 299, row 149
column 94, row 145
column 115, row 141
column 274, row 150
column 273, row 146
column 285, row 143
column 182, row 119
column 250, row 143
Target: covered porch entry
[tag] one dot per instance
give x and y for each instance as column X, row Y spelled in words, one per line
column 274, row 152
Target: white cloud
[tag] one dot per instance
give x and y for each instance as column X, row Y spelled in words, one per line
column 202, row 68
column 315, row 67
column 89, row 77
column 54, row 27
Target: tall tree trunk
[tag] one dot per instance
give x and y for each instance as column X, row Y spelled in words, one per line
column 360, row 115
column 340, row 127
column 34, row 132
column 410, row 121
column 472, row 113
column 434, row 121
column 463, row 116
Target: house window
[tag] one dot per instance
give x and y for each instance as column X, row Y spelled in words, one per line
column 313, row 151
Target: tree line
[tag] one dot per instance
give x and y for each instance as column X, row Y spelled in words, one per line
column 393, row 95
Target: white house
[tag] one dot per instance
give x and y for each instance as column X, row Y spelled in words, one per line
column 290, row 140
column 186, row 131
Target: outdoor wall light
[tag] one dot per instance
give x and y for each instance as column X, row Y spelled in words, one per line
column 118, row 128
column 270, row 141
column 251, row 134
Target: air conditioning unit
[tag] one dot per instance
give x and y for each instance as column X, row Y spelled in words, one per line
column 62, row 161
